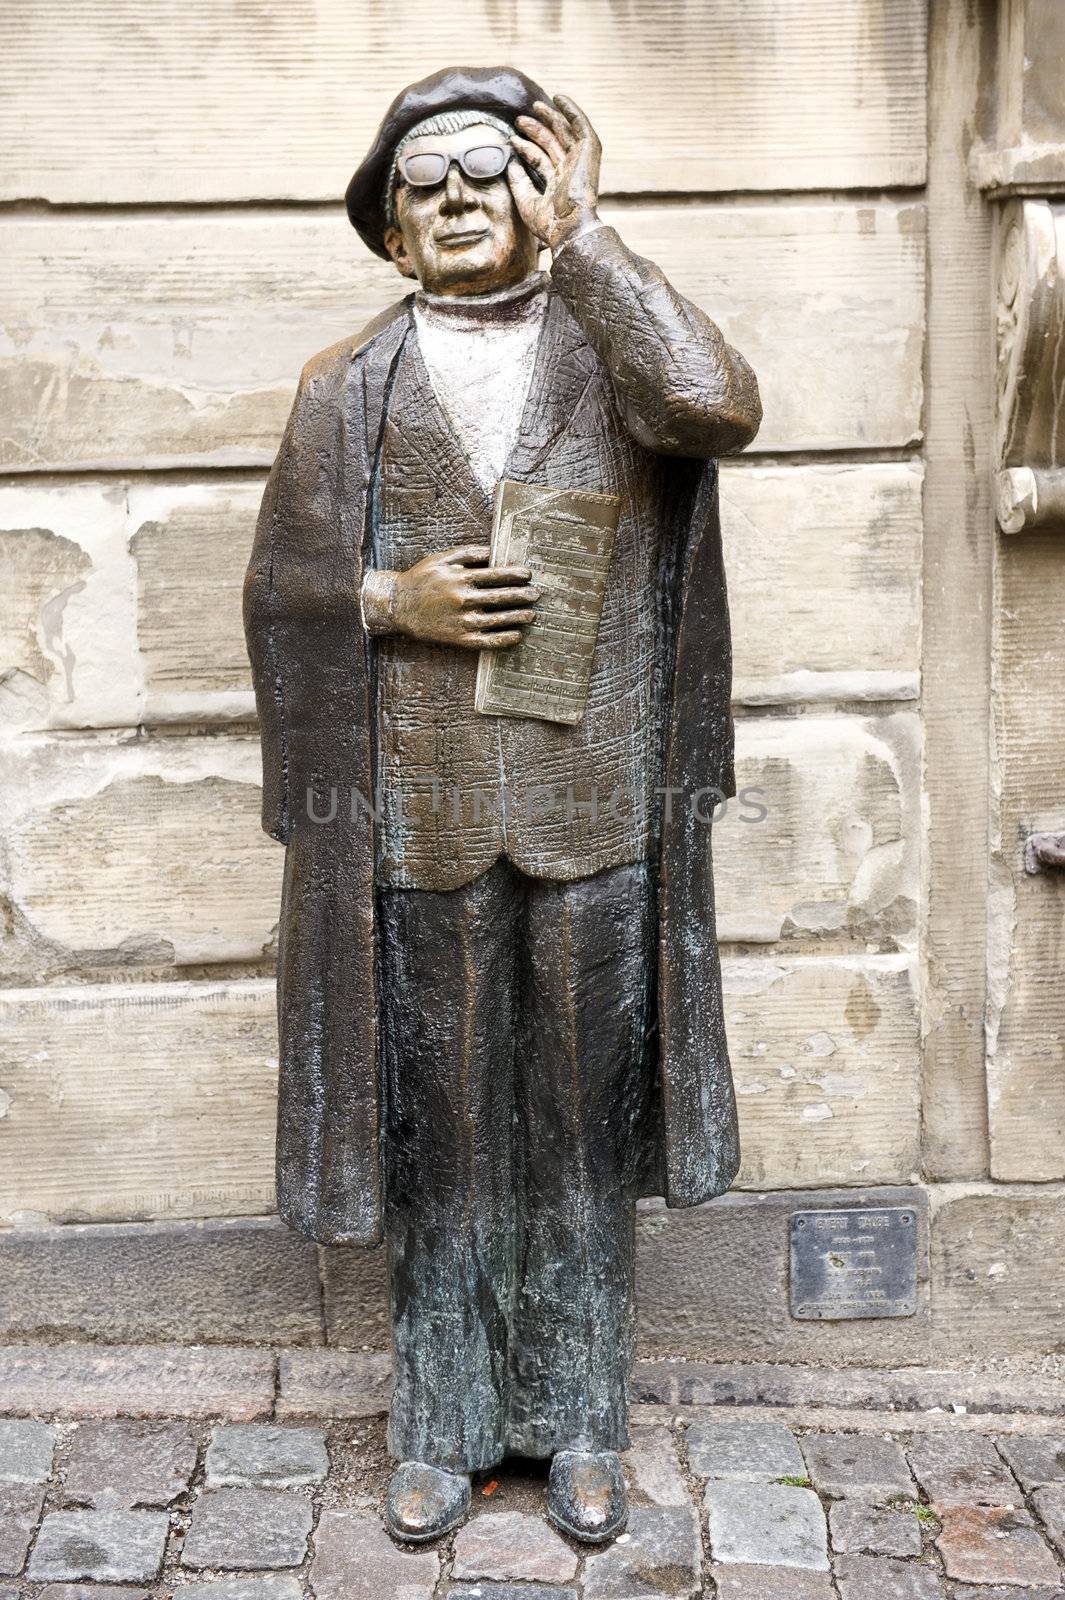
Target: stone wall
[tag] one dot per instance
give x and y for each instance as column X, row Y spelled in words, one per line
column 176, row 251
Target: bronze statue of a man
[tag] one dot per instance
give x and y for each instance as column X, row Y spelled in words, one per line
column 499, row 993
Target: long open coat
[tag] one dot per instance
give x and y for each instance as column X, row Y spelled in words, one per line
column 313, row 668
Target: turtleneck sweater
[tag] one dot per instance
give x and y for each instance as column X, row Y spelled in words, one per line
column 479, row 351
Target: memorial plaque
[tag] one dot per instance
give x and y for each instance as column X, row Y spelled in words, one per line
column 853, row 1263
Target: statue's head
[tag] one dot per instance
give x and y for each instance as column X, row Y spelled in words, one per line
column 433, row 196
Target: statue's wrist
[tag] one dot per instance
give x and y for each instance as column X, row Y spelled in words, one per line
column 574, row 228
column 378, row 602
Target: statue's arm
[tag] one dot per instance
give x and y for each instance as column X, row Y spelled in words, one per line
column 682, row 389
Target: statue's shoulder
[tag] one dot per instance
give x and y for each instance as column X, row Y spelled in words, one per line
column 331, row 365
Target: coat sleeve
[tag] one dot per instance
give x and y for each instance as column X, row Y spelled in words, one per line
column 682, row 390
column 262, row 633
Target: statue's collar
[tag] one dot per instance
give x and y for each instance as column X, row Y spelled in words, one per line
column 522, row 302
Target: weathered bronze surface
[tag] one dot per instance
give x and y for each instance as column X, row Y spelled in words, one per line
column 499, row 993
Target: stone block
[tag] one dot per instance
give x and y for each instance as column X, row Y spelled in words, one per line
column 1033, row 1459
column 509, row 1591
column 136, row 854
column 993, row 1293
column 767, row 1524
column 1049, row 1501
column 26, row 1449
column 334, row 1383
column 100, row 1546
column 92, row 1591
column 118, row 1465
column 873, row 1578
column 963, row 1592
column 20, row 1508
column 234, row 1528
column 771, row 1583
column 744, row 1452
column 266, row 1586
column 962, row 1469
column 258, row 1455
column 511, row 1544
column 165, row 1381
column 662, row 1555
column 825, row 1059
column 354, row 1559
column 653, row 1467
column 833, row 856
column 212, row 1282
column 713, row 1281
column 989, row 1544
column 138, row 1101
column 863, row 1529
column 857, row 1466
column 355, row 1295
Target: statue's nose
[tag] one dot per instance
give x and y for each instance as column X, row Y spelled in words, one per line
column 457, row 193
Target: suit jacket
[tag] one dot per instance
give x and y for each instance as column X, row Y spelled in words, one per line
column 685, row 394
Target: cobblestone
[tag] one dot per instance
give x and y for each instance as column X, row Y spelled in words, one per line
column 745, row 1452
column 1027, row 1593
column 962, row 1469
column 91, row 1591
column 25, row 1451
column 20, row 1507
column 872, row 1578
column 860, row 1466
column 1035, row 1461
column 509, row 1544
column 768, row 1524
column 510, row 1591
column 654, row 1467
column 663, row 1552
column 101, row 1546
column 356, row 1560
column 237, row 1528
column 267, row 1586
column 258, row 1455
column 118, row 1465
column 771, row 1583
column 865, row 1529
column 988, row 1544
column 1050, row 1504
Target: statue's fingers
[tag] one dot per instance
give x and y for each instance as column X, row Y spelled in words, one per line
column 541, row 134
column 492, row 641
column 485, row 596
column 555, row 120
column 468, row 555
column 500, row 575
column 485, row 621
column 577, row 118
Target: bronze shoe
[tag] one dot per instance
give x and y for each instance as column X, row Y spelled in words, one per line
column 586, row 1495
column 425, row 1502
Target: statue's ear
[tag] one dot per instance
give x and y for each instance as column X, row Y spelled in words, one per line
column 398, row 251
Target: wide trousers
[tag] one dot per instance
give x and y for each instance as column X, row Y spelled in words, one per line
column 520, row 1105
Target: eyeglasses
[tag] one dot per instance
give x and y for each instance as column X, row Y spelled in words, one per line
column 428, row 168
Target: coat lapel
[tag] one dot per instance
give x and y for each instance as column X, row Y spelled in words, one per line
column 565, row 366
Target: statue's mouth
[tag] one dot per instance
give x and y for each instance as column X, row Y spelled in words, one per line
column 462, row 236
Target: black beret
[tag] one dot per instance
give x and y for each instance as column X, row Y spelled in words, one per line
column 504, row 92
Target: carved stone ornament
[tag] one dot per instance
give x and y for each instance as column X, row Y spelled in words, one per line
column 1030, row 437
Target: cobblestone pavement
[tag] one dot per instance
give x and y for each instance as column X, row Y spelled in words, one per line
column 259, row 1502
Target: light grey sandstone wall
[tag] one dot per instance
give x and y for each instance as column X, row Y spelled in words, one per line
column 176, row 250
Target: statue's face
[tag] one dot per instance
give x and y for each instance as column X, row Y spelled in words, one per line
column 464, row 236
